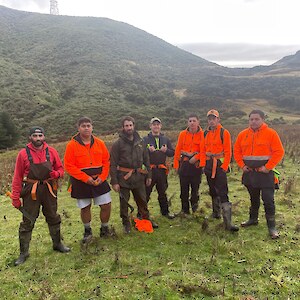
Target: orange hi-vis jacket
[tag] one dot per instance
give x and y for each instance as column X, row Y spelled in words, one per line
column 191, row 143
column 214, row 147
column 80, row 158
column 263, row 145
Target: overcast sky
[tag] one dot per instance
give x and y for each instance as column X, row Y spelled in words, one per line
column 229, row 32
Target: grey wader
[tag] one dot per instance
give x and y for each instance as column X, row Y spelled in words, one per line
column 226, row 211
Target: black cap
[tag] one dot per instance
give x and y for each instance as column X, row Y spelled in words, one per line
column 36, row 129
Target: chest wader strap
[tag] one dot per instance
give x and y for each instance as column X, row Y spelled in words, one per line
column 30, row 156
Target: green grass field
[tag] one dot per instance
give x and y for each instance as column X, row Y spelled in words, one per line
column 179, row 260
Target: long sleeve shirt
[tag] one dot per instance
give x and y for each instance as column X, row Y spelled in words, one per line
column 158, row 157
column 192, row 143
column 263, row 144
column 213, row 144
column 79, row 158
column 23, row 165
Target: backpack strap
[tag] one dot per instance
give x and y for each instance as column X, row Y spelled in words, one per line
column 221, row 134
column 205, row 133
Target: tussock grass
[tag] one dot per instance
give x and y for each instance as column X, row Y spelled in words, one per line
column 185, row 258
column 181, row 259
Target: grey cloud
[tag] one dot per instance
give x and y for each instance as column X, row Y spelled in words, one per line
column 240, row 54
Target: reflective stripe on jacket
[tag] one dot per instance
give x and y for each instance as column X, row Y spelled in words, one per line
column 260, row 147
column 158, row 157
column 80, row 159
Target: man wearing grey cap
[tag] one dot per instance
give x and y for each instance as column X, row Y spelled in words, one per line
column 159, row 147
column 37, row 170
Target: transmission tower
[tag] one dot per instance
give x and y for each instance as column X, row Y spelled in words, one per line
column 53, row 7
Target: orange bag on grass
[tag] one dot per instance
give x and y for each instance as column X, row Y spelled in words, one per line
column 143, row 225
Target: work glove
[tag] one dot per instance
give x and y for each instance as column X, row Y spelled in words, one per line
column 16, row 203
column 54, row 174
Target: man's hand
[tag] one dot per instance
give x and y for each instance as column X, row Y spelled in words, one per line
column 164, row 148
column 90, row 181
column 246, row 169
column 151, row 148
column 148, row 181
column 116, row 187
column 263, row 169
column 16, row 203
column 97, row 181
column 54, row 174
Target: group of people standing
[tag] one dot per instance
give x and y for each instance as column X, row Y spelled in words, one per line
column 137, row 165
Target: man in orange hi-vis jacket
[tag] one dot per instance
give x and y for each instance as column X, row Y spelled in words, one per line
column 257, row 150
column 217, row 145
column 189, row 160
column 87, row 162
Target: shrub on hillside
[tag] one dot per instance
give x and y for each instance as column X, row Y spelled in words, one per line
column 8, row 132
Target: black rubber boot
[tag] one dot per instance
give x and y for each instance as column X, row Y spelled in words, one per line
column 127, row 227
column 216, row 206
column 194, row 204
column 87, row 235
column 154, row 224
column 56, row 239
column 24, row 240
column 104, row 231
column 226, row 210
column 253, row 218
column 271, row 226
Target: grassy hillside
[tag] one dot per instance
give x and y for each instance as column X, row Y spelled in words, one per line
column 54, row 69
column 179, row 260
column 62, row 67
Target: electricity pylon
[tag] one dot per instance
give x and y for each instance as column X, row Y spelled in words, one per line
column 53, row 7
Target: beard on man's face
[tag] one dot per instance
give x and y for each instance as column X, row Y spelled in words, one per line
column 37, row 143
column 128, row 132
